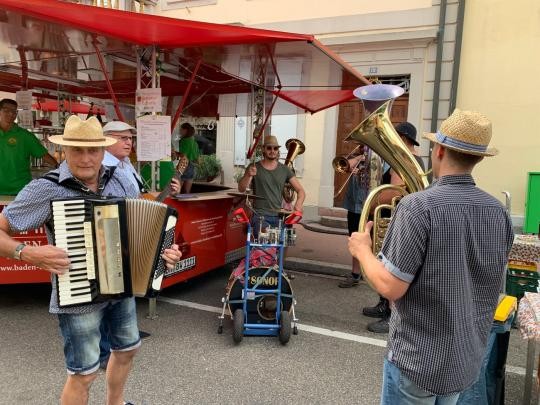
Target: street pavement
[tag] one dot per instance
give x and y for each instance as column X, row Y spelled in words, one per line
column 333, row 359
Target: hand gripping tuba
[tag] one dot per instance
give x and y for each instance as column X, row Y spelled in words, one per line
column 294, row 147
column 378, row 133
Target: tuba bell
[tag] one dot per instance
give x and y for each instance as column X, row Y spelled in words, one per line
column 295, row 147
column 378, row 133
column 371, row 170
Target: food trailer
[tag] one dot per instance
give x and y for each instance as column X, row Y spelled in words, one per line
column 71, row 54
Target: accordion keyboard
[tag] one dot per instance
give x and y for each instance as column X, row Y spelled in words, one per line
column 74, row 235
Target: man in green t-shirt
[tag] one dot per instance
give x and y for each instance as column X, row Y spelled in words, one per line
column 269, row 178
column 17, row 145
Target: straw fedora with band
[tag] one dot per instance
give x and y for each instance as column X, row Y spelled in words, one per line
column 467, row 132
column 271, row 140
column 82, row 133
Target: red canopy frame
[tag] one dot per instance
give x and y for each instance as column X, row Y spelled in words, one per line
column 46, row 40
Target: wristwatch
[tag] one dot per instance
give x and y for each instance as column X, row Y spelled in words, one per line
column 18, row 250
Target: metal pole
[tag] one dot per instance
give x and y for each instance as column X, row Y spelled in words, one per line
column 180, row 108
column 138, row 56
column 152, row 308
column 261, row 131
column 106, row 75
column 154, row 165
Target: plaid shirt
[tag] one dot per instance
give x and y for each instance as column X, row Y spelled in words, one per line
column 451, row 243
column 32, row 208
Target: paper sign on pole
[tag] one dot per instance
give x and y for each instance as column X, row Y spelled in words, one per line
column 24, row 99
column 148, row 100
column 153, row 138
column 25, row 119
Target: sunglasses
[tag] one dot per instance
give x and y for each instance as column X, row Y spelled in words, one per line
column 271, row 147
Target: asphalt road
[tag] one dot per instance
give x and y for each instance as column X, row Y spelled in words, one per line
column 333, row 360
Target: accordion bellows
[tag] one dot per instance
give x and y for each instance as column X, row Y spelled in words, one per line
column 146, row 221
column 114, row 245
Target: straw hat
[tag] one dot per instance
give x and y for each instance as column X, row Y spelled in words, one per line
column 82, row 133
column 271, row 140
column 466, row 132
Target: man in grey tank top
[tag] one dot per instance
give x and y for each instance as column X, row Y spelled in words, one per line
column 269, row 177
column 441, row 265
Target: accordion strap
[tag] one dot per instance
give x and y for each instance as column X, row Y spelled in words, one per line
column 73, row 184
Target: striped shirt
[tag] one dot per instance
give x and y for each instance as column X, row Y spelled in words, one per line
column 32, row 208
column 451, row 243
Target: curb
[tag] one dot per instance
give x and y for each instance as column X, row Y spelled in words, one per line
column 315, row 226
column 317, row 267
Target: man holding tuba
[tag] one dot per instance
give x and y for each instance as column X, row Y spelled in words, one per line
column 442, row 265
column 407, row 133
column 269, row 178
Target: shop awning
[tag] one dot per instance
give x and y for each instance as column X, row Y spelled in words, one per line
column 46, row 45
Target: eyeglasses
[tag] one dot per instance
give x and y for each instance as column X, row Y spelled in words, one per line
column 124, row 138
column 271, row 147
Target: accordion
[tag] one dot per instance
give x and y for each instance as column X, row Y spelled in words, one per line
column 114, row 245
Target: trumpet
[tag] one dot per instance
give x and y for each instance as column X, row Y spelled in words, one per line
column 347, row 163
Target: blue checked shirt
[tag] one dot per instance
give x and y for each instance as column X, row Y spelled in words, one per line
column 32, row 208
column 355, row 196
column 451, row 243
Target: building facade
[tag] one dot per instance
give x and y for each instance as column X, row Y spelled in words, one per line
column 414, row 43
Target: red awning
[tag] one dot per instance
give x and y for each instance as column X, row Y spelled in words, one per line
column 45, row 42
column 144, row 29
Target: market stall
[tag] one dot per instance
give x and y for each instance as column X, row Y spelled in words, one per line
column 77, row 55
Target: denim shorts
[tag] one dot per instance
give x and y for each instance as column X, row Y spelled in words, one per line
column 398, row 389
column 189, row 173
column 81, row 333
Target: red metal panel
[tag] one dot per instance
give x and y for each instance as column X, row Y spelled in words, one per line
column 205, row 233
column 315, row 100
column 19, row 272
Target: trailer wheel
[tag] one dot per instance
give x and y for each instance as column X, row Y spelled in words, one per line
column 285, row 327
column 238, row 325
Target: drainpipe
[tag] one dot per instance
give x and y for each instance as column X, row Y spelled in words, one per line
column 438, row 65
column 457, row 55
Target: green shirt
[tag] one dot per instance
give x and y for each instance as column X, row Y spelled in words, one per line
column 269, row 184
column 16, row 147
column 188, row 146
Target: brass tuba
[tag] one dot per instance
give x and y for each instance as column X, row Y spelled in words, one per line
column 378, row 133
column 371, row 165
column 294, row 147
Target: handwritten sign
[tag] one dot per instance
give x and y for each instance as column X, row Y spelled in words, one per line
column 148, row 100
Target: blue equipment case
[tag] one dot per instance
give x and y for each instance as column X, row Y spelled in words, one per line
column 262, row 283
